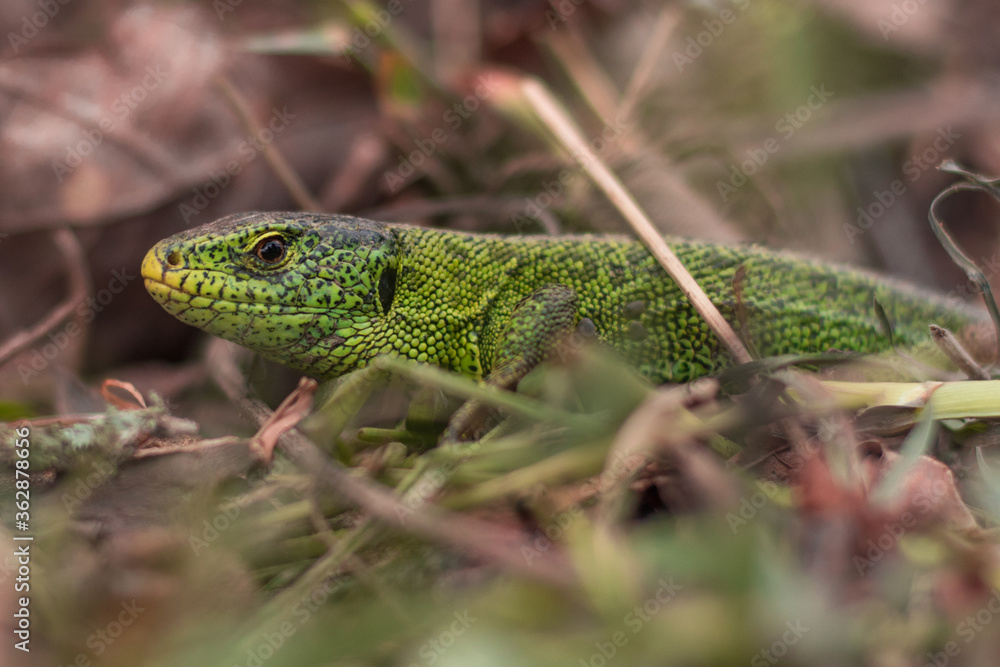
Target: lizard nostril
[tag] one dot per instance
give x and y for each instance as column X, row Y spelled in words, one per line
column 174, row 259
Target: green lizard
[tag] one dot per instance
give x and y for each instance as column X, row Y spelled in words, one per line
column 326, row 294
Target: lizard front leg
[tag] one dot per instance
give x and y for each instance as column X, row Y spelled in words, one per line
column 538, row 324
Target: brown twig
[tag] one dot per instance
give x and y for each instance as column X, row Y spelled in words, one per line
column 78, row 281
column 284, row 171
column 946, row 341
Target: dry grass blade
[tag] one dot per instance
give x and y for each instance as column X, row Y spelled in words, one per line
column 595, row 85
column 282, row 169
column 641, row 75
column 560, row 123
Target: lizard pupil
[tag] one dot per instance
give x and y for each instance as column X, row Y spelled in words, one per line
column 271, row 250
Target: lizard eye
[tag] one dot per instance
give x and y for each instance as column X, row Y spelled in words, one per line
column 270, row 250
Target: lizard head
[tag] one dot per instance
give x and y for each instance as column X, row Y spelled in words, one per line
column 304, row 289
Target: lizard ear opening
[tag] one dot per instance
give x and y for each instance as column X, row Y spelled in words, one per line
column 387, row 289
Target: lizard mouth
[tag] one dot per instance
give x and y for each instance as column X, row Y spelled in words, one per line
column 161, row 292
column 232, row 320
column 165, row 294
column 166, row 285
column 168, row 280
column 154, row 278
column 179, row 290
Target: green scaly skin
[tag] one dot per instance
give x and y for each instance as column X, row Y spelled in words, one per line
column 346, row 290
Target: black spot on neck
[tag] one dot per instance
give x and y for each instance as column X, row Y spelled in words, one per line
column 387, row 289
